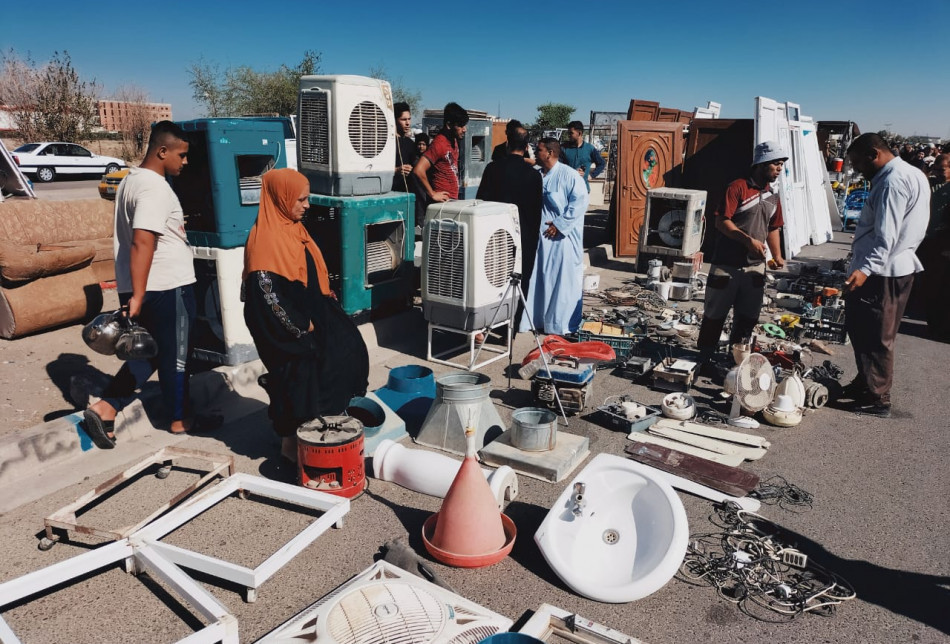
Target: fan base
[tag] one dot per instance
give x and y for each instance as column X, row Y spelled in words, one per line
column 744, row 422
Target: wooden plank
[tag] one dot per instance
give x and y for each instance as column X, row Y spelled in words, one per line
column 730, row 480
column 710, row 444
column 726, row 459
column 714, row 432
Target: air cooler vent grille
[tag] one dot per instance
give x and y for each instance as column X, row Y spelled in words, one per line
column 499, row 257
column 368, row 129
column 445, row 276
column 387, row 612
column 314, row 128
column 474, row 635
column 380, row 258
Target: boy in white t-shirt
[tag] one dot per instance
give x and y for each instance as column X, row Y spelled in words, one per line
column 155, row 278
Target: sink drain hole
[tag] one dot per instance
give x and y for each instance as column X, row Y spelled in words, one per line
column 611, row 537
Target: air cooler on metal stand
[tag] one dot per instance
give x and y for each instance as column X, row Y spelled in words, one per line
column 470, row 249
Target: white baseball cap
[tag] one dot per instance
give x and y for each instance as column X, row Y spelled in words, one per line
column 767, row 151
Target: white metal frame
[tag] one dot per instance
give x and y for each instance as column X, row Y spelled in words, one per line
column 65, row 518
column 223, row 627
column 550, row 621
column 472, row 353
column 333, row 508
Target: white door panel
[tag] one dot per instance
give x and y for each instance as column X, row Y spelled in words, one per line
column 771, row 123
column 817, row 185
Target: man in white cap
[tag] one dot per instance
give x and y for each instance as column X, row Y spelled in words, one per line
column 748, row 219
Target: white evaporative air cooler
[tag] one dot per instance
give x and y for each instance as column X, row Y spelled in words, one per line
column 673, row 223
column 387, row 604
column 346, row 143
column 469, row 250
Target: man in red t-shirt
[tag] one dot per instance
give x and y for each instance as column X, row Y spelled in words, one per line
column 438, row 168
column 749, row 219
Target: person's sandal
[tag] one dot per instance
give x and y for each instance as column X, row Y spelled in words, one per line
column 99, row 430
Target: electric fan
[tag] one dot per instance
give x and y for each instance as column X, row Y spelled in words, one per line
column 751, row 385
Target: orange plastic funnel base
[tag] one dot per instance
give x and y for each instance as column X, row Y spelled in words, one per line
column 469, row 561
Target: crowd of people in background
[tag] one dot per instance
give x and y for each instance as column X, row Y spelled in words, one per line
column 549, row 186
column 921, row 156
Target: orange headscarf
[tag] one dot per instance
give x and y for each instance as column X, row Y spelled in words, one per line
column 277, row 243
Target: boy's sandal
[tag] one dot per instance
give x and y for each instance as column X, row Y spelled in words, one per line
column 102, row 432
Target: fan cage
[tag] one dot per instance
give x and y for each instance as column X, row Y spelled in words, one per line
column 389, row 612
column 368, row 129
column 748, row 387
column 499, row 257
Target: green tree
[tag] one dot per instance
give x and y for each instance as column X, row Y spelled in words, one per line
column 553, row 115
column 207, row 86
column 243, row 90
column 400, row 92
column 50, row 102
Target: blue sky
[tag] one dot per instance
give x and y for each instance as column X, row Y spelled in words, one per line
column 879, row 63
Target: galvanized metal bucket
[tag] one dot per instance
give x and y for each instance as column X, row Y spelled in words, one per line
column 534, row 429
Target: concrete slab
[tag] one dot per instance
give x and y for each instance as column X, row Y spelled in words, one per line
column 552, row 466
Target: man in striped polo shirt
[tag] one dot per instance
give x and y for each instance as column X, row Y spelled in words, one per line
column 749, row 218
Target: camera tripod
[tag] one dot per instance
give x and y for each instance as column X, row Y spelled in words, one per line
column 514, row 284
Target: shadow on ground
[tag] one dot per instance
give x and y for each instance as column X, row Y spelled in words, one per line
column 921, row 597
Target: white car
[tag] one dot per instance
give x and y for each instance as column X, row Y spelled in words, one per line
column 46, row 160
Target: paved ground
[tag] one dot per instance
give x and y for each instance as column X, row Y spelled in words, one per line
column 879, row 517
column 65, row 188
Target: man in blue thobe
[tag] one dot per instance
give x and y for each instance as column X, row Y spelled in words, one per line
column 555, row 300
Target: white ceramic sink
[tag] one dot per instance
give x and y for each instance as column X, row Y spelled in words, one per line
column 628, row 539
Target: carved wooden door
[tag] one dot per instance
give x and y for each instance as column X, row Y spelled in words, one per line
column 647, row 152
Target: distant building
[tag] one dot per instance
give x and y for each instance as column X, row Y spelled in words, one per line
column 113, row 114
column 7, row 124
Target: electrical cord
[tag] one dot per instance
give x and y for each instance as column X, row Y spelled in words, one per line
column 776, row 490
column 749, row 566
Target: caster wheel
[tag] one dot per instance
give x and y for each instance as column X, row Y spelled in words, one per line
column 250, row 595
column 163, row 472
column 46, row 543
column 339, row 524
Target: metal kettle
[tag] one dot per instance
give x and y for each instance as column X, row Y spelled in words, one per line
column 102, row 334
column 135, row 343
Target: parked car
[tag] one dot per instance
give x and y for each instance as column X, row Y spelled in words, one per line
column 110, row 183
column 47, row 159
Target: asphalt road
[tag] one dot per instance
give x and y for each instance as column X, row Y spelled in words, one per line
column 67, row 188
column 879, row 519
